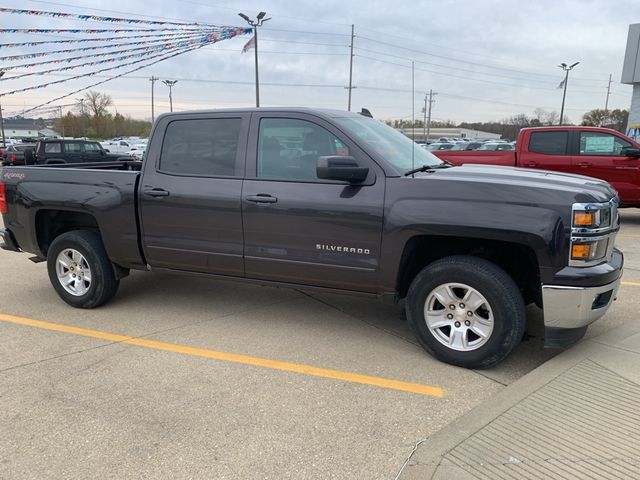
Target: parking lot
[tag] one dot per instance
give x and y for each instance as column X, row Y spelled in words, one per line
column 183, row 377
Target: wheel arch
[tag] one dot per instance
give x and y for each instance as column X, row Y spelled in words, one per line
column 518, row 260
column 50, row 224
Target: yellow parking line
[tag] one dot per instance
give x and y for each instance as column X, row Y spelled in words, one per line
column 633, row 284
column 232, row 357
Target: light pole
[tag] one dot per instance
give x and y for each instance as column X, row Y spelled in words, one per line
column 255, row 24
column 567, row 69
column 4, row 144
column 170, row 84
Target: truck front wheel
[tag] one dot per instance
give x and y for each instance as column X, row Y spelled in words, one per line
column 80, row 271
column 466, row 311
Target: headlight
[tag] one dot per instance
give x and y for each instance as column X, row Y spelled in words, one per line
column 593, row 229
column 591, row 217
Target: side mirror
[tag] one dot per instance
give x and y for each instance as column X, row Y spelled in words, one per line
column 345, row 169
column 106, row 150
column 631, row 152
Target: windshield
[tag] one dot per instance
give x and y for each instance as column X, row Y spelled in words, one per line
column 394, row 147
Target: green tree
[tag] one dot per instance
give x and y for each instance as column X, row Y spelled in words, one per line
column 616, row 119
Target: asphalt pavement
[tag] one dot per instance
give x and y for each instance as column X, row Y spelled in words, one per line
column 182, row 377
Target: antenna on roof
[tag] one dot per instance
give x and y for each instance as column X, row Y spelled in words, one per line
column 366, row 113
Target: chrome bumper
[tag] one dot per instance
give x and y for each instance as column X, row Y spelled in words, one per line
column 575, row 307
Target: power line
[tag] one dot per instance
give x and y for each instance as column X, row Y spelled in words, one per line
column 342, row 45
column 450, row 75
column 453, row 59
column 457, row 69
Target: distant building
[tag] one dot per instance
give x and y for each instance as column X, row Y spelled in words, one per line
column 21, row 127
column 451, row 132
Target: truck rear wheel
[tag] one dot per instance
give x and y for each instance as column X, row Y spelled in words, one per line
column 80, row 271
column 466, row 311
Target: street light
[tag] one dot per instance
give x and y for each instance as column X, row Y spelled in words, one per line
column 255, row 24
column 170, row 84
column 4, row 144
column 567, row 69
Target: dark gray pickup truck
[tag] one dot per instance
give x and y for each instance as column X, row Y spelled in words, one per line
column 335, row 201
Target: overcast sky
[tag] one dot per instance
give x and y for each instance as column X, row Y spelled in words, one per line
column 486, row 59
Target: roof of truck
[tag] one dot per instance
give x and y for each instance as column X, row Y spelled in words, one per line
column 321, row 112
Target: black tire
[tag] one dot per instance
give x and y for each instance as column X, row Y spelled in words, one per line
column 490, row 281
column 103, row 283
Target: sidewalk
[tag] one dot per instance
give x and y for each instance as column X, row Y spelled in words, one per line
column 575, row 417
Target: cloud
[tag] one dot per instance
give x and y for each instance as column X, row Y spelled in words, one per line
column 487, row 59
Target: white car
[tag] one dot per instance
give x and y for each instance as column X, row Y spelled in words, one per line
column 137, row 151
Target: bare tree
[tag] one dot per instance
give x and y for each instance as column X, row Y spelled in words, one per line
column 553, row 118
column 95, row 103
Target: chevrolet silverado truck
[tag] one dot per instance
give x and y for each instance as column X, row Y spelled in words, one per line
column 597, row 152
column 332, row 201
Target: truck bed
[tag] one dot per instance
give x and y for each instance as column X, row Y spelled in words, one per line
column 104, row 191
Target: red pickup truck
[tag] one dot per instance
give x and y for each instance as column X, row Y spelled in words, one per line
column 592, row 151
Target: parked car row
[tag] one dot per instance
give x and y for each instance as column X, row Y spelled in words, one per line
column 467, row 146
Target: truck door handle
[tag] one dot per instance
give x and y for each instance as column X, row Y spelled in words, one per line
column 584, row 164
column 155, row 192
column 531, row 164
column 261, row 198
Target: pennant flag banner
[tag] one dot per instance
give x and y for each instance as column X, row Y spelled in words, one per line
column 114, row 30
column 204, row 40
column 86, row 64
column 155, row 42
column 120, row 75
column 96, row 72
column 181, row 33
column 95, row 18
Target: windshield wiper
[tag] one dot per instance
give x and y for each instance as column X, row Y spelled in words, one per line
column 427, row 168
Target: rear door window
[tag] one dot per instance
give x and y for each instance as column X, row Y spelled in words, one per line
column 549, row 143
column 73, row 147
column 204, row 147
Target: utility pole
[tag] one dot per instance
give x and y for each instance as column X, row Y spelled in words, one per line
column 350, row 87
column 424, row 121
column 4, row 142
column 567, row 69
column 255, row 24
column 431, row 100
column 170, row 84
column 606, row 103
column 413, row 104
column 153, row 113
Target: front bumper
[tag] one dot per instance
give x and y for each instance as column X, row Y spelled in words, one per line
column 7, row 242
column 568, row 310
